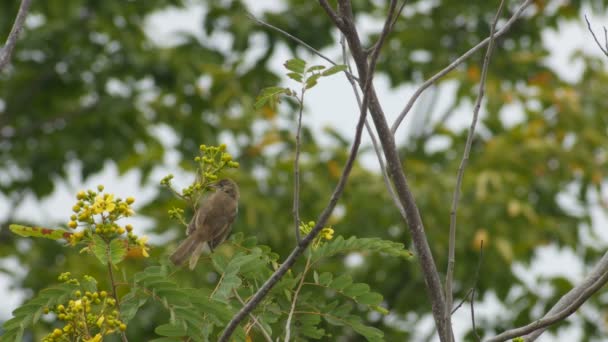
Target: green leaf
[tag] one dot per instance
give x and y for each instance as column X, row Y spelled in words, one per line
column 370, row 298
column 341, row 282
column 171, row 330
column 296, row 65
column 270, row 96
column 315, row 68
column 312, row 81
column 339, row 246
column 334, row 70
column 325, row 279
column 355, row 290
column 100, row 249
column 53, row 234
column 130, row 304
column 117, row 250
column 295, row 76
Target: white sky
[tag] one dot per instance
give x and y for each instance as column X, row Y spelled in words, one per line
column 332, row 104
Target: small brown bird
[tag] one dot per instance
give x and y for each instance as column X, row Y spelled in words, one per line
column 211, row 224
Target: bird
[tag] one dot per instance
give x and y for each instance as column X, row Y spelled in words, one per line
column 210, row 224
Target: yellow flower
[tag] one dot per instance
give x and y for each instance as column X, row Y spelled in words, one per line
column 104, row 203
column 142, row 240
column 100, row 321
column 327, row 233
column 96, row 338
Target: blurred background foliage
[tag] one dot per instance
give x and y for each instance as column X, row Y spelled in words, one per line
column 87, row 85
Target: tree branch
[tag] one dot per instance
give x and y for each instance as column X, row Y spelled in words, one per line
column 454, row 64
column 463, row 164
column 296, row 170
column 566, row 306
column 253, row 318
column 600, row 268
column 604, row 49
column 414, row 221
column 292, row 37
column 377, row 148
column 7, row 51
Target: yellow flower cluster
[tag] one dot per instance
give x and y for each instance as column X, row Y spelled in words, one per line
column 88, row 317
column 99, row 212
column 327, row 233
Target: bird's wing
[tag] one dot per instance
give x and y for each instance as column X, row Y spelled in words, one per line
column 222, row 221
column 200, row 215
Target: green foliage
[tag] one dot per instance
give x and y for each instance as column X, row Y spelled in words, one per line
column 30, row 312
column 61, row 121
column 340, row 245
column 307, row 77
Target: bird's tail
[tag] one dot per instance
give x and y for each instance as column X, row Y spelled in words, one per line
column 191, row 248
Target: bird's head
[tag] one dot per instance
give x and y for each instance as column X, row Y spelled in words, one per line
column 228, row 186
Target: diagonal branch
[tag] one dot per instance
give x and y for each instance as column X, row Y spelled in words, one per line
column 461, row 168
column 577, row 292
column 7, row 51
column 368, row 128
column 456, row 63
column 291, row 259
column 567, row 305
column 604, row 49
column 394, row 168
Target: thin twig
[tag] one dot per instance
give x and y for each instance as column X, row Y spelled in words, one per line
column 454, row 64
column 296, row 171
column 123, row 336
column 473, row 289
column 552, row 319
column 295, row 300
column 466, row 297
column 375, row 144
column 604, row 50
column 292, row 37
column 7, row 50
column 253, row 318
column 463, row 165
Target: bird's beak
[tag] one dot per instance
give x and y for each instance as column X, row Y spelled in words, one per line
column 214, row 185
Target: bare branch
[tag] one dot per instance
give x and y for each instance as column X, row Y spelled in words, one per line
column 377, row 148
column 455, row 63
column 296, row 171
column 473, row 290
column 295, row 300
column 595, row 281
column 7, row 51
column 253, row 318
column 604, row 49
column 463, row 164
column 338, row 21
column 294, row 38
column 394, row 168
column 600, row 268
